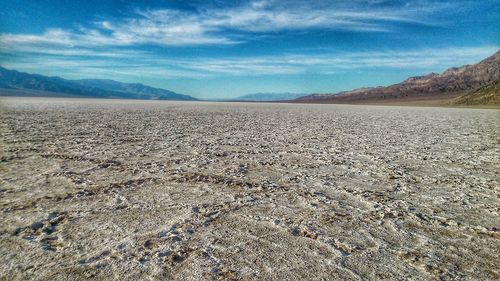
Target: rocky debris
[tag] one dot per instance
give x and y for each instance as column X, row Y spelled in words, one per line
column 45, row 231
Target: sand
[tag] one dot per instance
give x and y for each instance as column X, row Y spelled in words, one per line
column 150, row 190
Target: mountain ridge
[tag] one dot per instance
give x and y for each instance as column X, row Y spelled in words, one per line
column 453, row 82
column 40, row 85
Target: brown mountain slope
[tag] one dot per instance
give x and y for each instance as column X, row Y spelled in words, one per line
column 451, row 83
column 488, row 95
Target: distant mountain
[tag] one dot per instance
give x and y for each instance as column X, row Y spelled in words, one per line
column 451, row 83
column 270, row 96
column 20, row 83
column 140, row 91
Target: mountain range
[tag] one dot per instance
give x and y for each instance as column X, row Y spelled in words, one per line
column 453, row 86
column 17, row 83
column 270, row 96
column 476, row 84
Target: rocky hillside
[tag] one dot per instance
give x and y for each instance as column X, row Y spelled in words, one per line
column 451, row 83
column 488, row 95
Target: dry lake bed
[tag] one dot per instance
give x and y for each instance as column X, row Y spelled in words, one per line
column 150, row 190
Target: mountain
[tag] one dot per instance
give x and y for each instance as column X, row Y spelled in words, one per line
column 270, row 96
column 140, row 91
column 488, row 95
column 13, row 82
column 451, row 83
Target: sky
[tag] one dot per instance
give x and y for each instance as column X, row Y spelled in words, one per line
column 224, row 49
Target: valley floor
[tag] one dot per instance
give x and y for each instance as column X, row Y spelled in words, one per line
column 131, row 190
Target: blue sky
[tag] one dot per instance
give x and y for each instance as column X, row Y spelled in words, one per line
column 222, row 49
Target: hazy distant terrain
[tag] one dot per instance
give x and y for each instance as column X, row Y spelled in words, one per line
column 134, row 190
column 270, row 96
column 17, row 83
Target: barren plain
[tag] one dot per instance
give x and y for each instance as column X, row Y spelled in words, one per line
column 152, row 190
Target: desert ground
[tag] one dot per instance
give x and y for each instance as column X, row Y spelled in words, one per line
column 157, row 190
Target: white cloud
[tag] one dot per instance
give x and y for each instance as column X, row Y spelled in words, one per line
column 111, row 43
column 328, row 63
column 173, row 27
column 151, row 65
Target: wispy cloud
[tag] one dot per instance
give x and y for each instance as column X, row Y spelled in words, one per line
column 154, row 66
column 174, row 27
column 113, row 47
column 334, row 62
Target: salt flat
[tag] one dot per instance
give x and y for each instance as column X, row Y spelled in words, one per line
column 130, row 190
